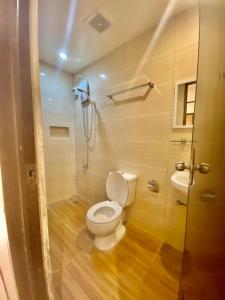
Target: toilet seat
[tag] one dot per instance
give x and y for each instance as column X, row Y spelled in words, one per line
column 104, row 212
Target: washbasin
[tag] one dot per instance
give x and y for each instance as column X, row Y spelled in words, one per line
column 180, row 181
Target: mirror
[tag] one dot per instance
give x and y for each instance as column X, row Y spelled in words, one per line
column 184, row 104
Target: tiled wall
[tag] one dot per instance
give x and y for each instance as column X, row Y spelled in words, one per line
column 134, row 134
column 59, row 147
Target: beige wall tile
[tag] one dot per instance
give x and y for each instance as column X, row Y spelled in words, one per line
column 149, row 44
column 58, row 110
column 109, row 149
column 111, row 128
column 147, row 153
column 155, row 127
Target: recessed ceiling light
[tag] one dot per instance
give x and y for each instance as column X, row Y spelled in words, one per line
column 63, row 55
column 42, row 73
column 103, row 76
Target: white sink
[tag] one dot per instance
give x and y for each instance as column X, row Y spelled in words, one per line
column 180, row 181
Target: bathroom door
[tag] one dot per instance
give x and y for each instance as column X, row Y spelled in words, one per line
column 203, row 274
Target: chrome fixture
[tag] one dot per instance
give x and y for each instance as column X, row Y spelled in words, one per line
column 181, row 166
column 149, row 84
column 179, row 202
column 181, row 141
column 82, row 91
column 203, row 168
column 208, row 195
column 153, row 186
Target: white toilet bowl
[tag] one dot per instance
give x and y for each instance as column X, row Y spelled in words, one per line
column 104, row 219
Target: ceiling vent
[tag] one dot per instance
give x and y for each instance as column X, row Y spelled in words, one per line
column 99, row 22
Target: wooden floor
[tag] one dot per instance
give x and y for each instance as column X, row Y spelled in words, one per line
column 139, row 267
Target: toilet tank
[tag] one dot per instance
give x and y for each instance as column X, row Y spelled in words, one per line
column 131, row 180
column 120, row 187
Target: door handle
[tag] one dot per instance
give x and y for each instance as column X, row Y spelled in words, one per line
column 203, row 168
column 181, row 166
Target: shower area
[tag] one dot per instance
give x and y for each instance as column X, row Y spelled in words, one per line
column 117, row 94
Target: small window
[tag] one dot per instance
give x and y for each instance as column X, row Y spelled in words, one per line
column 189, row 102
column 184, row 104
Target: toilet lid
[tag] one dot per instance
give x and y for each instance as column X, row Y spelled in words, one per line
column 117, row 188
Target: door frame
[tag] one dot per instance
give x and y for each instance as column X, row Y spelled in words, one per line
column 39, row 143
column 25, row 214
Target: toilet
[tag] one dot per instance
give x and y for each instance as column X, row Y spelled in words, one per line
column 105, row 219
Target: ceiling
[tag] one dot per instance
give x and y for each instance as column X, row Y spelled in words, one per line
column 63, row 26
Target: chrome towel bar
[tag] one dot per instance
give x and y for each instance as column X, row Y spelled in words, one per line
column 182, row 141
column 150, row 84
